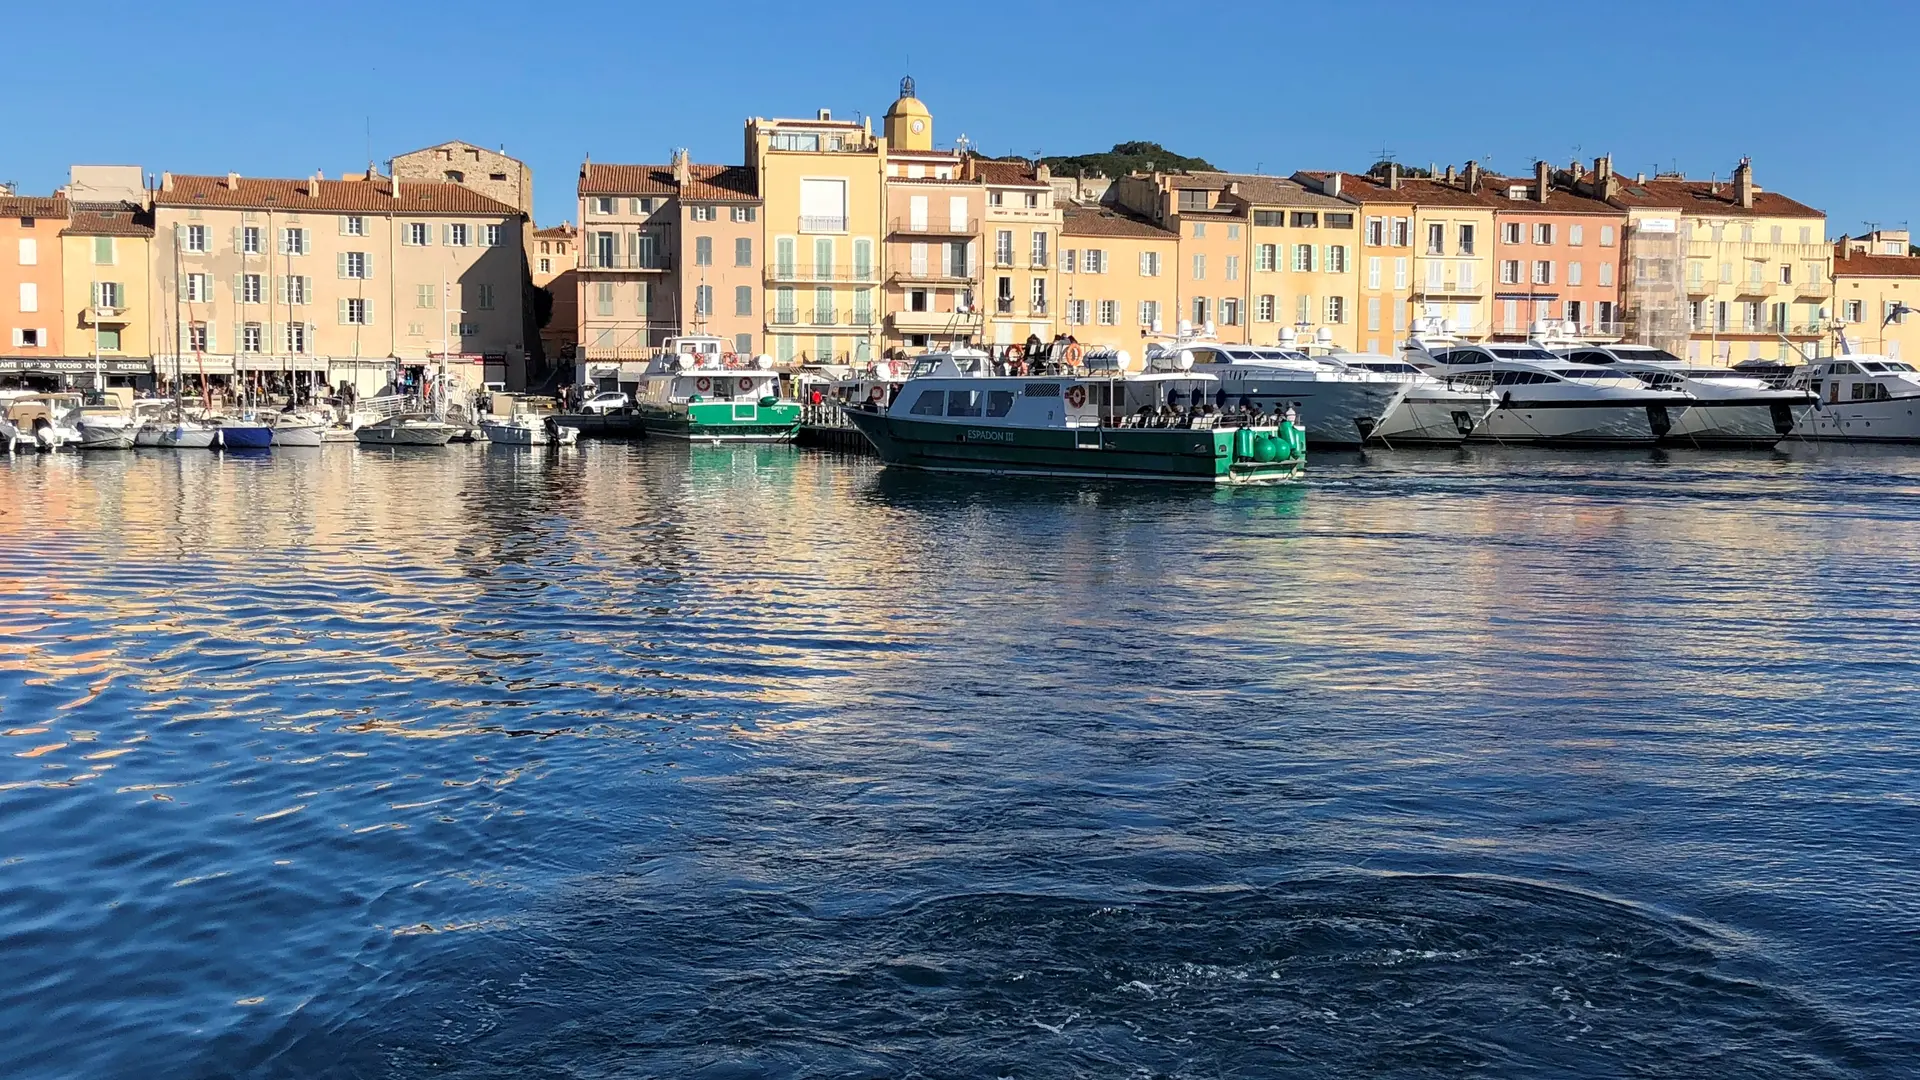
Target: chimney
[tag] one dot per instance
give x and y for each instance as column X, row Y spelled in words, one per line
column 1473, row 176
column 166, row 181
column 1449, row 175
column 1743, row 188
column 233, row 181
column 1542, row 181
column 682, row 168
column 395, row 186
column 826, row 114
column 1233, row 188
column 1042, row 173
column 1331, row 186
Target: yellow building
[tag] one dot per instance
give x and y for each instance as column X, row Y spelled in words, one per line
column 1021, row 223
column 107, row 282
column 933, row 212
column 823, row 186
column 1116, row 277
column 1453, row 250
column 1876, row 294
column 1383, row 269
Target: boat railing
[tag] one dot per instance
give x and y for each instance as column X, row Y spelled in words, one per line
column 827, row 414
column 387, row 405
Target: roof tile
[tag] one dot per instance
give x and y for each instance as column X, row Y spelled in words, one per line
column 324, row 196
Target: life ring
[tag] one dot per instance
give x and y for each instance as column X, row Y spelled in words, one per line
column 876, row 395
column 1076, row 396
column 1015, row 352
column 703, row 384
column 1074, row 352
column 746, row 384
column 730, row 359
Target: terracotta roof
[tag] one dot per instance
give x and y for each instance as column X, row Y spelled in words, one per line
column 557, row 232
column 1102, row 221
column 335, row 196
column 599, row 179
column 1860, row 264
column 1363, row 189
column 33, row 206
column 1559, row 200
column 109, row 221
column 1006, row 173
column 721, row 183
column 1698, row 197
column 1277, row 191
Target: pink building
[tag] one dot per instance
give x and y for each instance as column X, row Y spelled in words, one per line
column 1557, row 256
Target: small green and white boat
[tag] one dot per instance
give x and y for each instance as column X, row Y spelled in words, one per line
column 697, row 391
column 955, row 415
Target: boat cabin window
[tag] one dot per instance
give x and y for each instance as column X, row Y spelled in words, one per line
column 1208, row 356
column 924, row 368
column 1392, row 368
column 1870, row 391
column 1462, row 356
column 999, row 402
column 1521, row 352
column 963, row 403
column 1522, row 378
column 1648, row 355
column 1843, row 368
column 1589, row 373
column 968, row 364
column 1885, row 365
column 1589, row 356
column 929, row 403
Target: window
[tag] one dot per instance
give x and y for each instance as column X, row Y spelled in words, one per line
column 1149, row 264
column 248, row 240
column 1199, row 230
column 995, row 198
column 1436, row 239
column 354, row 264
column 250, row 337
column 1373, row 315
column 419, row 234
column 1893, row 312
column 823, row 307
column 703, row 251
column 1076, row 313
column 999, row 402
column 1109, row 313
column 1039, row 296
column 1095, row 262
column 1303, row 309
column 546, row 266
column 491, row 235
column 1306, row 219
column 963, row 403
column 251, row 289
column 1336, row 309
column 1543, row 234
column 743, row 343
column 1606, row 236
column 929, row 403
column 1573, row 273
column 1039, row 250
column 423, row 296
column 1339, row 221
column 356, row 312
column 743, row 251
column 107, row 294
column 293, row 241
column 103, row 251
column 197, row 290
column 296, row 338
column 457, row 234
column 197, row 337
column 1200, row 311
column 353, row 226
column 1303, row 256
column 644, row 206
column 1851, row 310
column 700, row 213
column 863, row 259
column 1033, row 200
column 1466, row 239
column 1193, row 199
column 1337, row 259
column 1606, row 273
column 1510, row 232
column 1576, row 235
column 1266, row 257
column 1230, row 312
column 1003, row 248
column 743, row 213
column 603, row 206
column 1509, row 271
column 1542, row 272
column 483, row 297
column 1233, row 268
column 785, row 305
column 1376, row 232
column 1233, row 232
column 1149, row 313
column 294, row 289
column 743, row 299
column 1199, row 268
column 1400, row 272
column 467, row 329
column 1069, row 259
column 194, row 239
column 29, row 297
column 1263, row 308
column 1786, row 274
column 703, row 300
column 1402, row 232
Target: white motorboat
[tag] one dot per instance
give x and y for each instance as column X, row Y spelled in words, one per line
column 1543, row 399
column 527, row 429
column 404, row 431
column 39, row 421
column 180, row 433
column 1338, row 406
column 1730, row 408
column 308, row 429
column 1859, row 397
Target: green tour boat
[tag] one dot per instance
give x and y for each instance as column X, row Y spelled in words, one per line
column 695, row 390
column 955, row 415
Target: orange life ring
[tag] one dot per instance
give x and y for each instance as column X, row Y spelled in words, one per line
column 1076, row 396
column 746, row 384
column 876, row 395
column 729, row 359
column 1015, row 352
column 1074, row 352
column 703, row 385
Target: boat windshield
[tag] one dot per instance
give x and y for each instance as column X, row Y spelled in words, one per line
column 1590, row 373
column 1521, row 352
column 1390, row 367
column 1652, row 356
column 1886, row 365
column 1462, row 356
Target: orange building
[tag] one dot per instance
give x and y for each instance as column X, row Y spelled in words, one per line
column 1557, row 256
column 31, row 310
column 553, row 261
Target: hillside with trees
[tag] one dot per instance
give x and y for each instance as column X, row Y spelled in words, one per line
column 1124, row 158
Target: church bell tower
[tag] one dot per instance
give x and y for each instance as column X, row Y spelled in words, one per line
column 909, row 126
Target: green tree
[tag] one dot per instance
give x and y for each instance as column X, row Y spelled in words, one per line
column 1124, row 158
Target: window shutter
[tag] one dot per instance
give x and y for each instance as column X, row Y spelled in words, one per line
column 19, row 337
column 239, row 240
column 366, row 312
column 446, row 235
column 213, row 343
column 96, row 298
column 340, row 311
column 340, row 262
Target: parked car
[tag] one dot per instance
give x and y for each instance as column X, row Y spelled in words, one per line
column 606, row 401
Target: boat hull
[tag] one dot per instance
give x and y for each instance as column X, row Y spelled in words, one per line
column 1893, row 421
column 106, row 437
column 1175, row 455
column 245, row 436
column 1555, row 424
column 381, row 436
column 307, row 435
column 515, row 434
column 721, row 421
column 1335, row 414
column 1431, row 421
column 186, row 437
column 1749, row 425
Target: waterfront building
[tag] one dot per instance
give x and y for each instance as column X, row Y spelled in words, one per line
column 492, row 173
column 935, row 202
column 1303, row 248
column 822, row 188
column 1117, row 277
column 1556, row 256
column 554, row 255
column 1020, row 227
column 106, row 270
column 1876, row 293
column 32, row 315
column 1383, row 268
column 1453, row 250
column 362, row 279
column 1724, row 270
column 1211, row 220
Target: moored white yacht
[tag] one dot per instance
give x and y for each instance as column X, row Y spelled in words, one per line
column 1542, row 399
column 1338, row 407
column 1730, row 408
column 1859, row 397
column 104, row 424
column 301, row 428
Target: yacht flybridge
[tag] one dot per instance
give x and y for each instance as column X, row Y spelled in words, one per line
column 1730, row 408
column 954, row 415
column 1543, row 399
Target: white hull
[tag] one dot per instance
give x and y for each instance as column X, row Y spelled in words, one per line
column 1333, row 413
column 186, row 437
column 106, row 436
column 515, row 434
column 1710, row 425
column 404, row 435
column 1894, row 420
column 148, row 435
column 1624, row 425
column 1430, row 419
column 299, row 434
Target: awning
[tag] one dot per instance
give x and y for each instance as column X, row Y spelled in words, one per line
column 263, row 363
column 74, row 365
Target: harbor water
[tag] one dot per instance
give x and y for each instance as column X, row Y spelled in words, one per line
column 643, row 760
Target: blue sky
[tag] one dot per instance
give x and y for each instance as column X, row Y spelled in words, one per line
column 1817, row 95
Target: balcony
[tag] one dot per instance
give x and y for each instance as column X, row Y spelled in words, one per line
column 932, row 275
column 1754, row 288
column 596, row 260
column 1813, row 290
column 859, row 275
column 823, row 318
column 1003, row 305
column 923, row 322
column 935, row 227
column 823, row 223
column 1448, row 287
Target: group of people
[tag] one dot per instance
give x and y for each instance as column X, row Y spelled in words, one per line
column 1247, row 413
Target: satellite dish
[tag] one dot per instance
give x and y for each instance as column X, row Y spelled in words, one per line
column 683, row 362
column 1323, row 337
column 763, row 362
column 1449, row 326
column 1184, row 360
column 1286, row 335
column 1122, row 360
